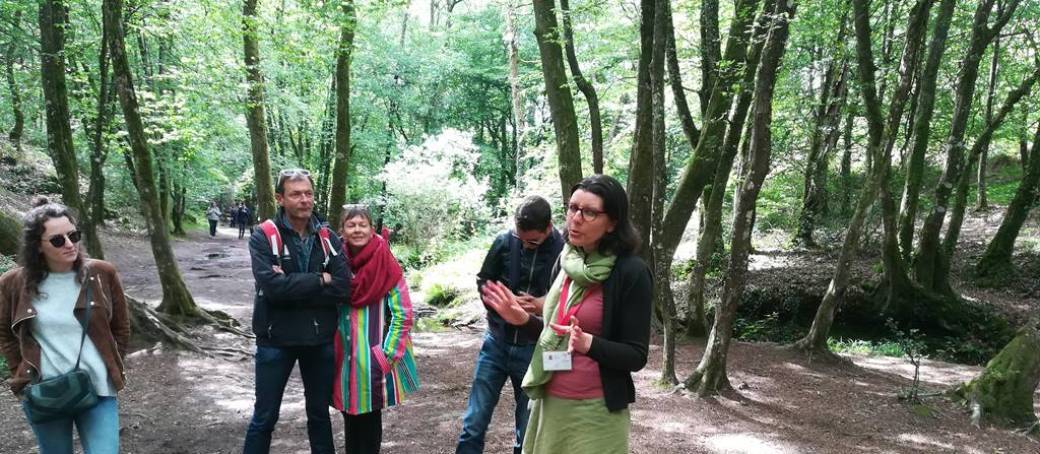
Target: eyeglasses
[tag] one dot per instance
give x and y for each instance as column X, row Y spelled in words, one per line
column 532, row 243
column 59, row 240
column 588, row 214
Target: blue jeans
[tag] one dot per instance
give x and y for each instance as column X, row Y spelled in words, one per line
column 98, row 429
column 273, row 367
column 497, row 361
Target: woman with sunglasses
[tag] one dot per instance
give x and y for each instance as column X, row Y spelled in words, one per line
column 43, row 306
column 375, row 368
column 594, row 331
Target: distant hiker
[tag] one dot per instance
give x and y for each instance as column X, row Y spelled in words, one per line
column 521, row 259
column 213, row 216
column 375, row 368
column 242, row 220
column 301, row 277
column 596, row 332
column 64, row 330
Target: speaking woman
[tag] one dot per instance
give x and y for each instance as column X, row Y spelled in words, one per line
column 597, row 331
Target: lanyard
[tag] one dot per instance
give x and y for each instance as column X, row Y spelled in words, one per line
column 563, row 314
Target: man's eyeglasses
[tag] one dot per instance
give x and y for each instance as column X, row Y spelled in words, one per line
column 532, row 243
column 587, row 214
column 59, row 240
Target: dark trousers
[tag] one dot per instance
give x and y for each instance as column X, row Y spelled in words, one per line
column 273, row 366
column 212, row 228
column 497, row 362
column 241, row 230
column 364, row 433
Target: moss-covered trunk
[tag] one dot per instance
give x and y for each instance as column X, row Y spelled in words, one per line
column 1003, row 392
column 996, row 262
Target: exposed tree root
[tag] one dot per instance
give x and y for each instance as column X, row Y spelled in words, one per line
column 149, row 325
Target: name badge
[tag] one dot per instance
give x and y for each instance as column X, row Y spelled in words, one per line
column 556, row 361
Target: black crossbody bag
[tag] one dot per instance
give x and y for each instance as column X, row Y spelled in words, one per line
column 66, row 395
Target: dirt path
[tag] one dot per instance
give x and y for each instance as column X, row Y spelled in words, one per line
column 185, row 403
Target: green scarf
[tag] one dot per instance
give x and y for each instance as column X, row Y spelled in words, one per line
column 583, row 269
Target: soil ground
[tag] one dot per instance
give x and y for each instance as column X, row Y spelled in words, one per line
column 177, row 402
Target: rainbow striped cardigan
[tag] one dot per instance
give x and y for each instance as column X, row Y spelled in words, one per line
column 375, row 367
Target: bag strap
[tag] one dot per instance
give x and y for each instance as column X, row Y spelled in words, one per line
column 88, row 281
column 274, row 238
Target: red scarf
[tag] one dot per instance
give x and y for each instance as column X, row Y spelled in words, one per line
column 376, row 271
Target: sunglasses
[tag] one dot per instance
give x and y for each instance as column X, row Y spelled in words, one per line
column 59, row 240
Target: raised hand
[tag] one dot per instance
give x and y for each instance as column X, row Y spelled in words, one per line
column 531, row 304
column 579, row 341
column 502, row 300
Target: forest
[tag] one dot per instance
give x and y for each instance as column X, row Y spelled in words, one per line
column 837, row 199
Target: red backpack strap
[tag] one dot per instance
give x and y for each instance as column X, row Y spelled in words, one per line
column 274, row 238
column 326, row 243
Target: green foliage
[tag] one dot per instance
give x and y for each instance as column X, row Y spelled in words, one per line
column 6, row 263
column 432, row 190
column 442, row 295
column 865, row 347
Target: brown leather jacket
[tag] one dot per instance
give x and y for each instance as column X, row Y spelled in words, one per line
column 109, row 327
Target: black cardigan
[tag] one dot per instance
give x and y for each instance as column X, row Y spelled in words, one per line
column 624, row 344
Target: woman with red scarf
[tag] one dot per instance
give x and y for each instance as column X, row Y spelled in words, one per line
column 375, row 367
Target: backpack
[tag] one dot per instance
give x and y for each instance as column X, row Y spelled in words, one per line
column 274, row 238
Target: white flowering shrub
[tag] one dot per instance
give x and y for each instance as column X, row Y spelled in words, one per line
column 433, row 190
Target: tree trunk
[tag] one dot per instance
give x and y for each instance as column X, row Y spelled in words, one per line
column 176, row 298
column 255, row 112
column 711, row 226
column 179, row 201
column 845, row 170
column 339, row 170
column 822, row 139
column 926, row 91
column 558, row 92
column 816, row 340
column 586, row 89
column 678, row 91
column 641, row 163
column 516, row 95
column 711, row 51
column 929, row 270
column 980, row 201
column 99, row 154
column 700, row 170
column 18, row 129
column 710, row 376
column 961, row 198
column 53, row 21
column 663, row 298
column 1003, row 392
column 995, row 263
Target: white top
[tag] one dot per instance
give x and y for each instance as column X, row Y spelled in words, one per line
column 58, row 332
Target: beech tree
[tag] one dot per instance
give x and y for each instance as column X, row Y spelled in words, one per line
column 558, row 92
column 339, row 170
column 255, row 117
column 177, row 300
column 710, row 376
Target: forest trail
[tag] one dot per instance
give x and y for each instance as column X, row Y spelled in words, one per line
column 186, row 403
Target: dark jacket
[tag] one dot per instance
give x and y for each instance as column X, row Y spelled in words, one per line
column 109, row 327
column 520, row 270
column 294, row 308
column 624, row 344
column 242, row 216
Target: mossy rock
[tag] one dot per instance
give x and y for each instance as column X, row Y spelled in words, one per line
column 10, row 232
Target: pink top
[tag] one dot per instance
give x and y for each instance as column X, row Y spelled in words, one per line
column 582, row 381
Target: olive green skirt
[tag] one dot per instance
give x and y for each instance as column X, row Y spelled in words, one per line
column 575, row 427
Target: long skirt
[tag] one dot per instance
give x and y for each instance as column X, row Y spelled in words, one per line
column 576, row 427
